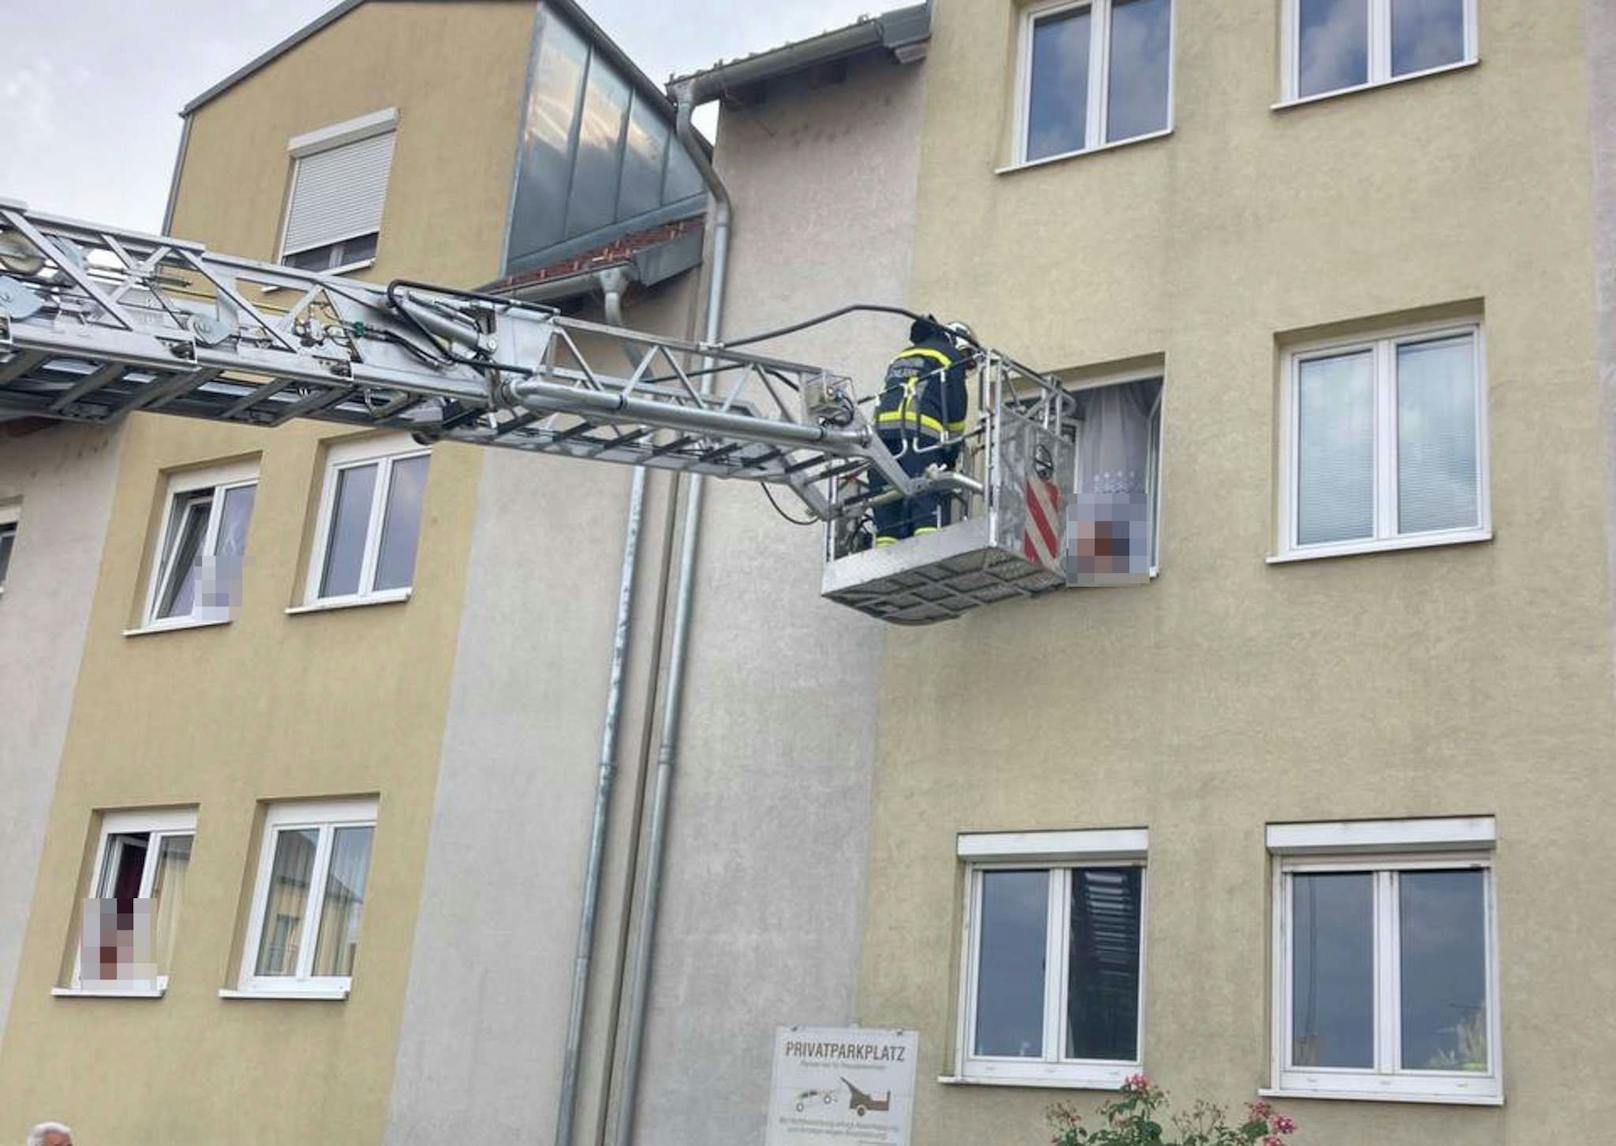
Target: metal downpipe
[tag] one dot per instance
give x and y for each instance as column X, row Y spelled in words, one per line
column 667, row 753
column 606, row 777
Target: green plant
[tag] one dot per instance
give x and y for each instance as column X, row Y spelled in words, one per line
column 1138, row 1117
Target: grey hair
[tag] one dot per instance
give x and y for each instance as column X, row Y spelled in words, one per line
column 36, row 1136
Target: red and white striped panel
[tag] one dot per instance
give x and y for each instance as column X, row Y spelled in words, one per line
column 1041, row 542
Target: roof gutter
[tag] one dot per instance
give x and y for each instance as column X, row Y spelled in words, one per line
column 904, row 32
column 610, row 281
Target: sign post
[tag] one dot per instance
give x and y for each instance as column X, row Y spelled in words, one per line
column 838, row 1086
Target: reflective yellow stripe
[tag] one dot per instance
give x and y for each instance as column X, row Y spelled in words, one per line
column 918, row 421
column 957, row 427
column 925, row 352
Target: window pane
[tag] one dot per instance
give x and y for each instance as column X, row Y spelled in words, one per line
column 681, row 181
column 1141, row 34
column 220, row 587
column 8, row 537
column 344, row 902
column 359, row 249
column 288, row 898
column 188, row 529
column 1333, row 45
column 315, row 258
column 1058, row 96
column 1426, row 34
column 1436, row 436
column 598, row 163
column 1335, row 451
column 167, row 894
column 1333, row 971
column 645, row 150
column 1443, row 927
column 350, row 521
column 401, row 528
column 1102, row 1010
column 125, row 865
column 545, row 171
column 1010, row 964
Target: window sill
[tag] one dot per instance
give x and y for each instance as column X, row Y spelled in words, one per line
column 1301, row 101
column 175, row 626
column 108, row 992
column 1057, row 1082
column 1364, row 1096
column 346, row 268
column 1028, row 164
column 393, row 597
column 334, row 995
column 1390, row 545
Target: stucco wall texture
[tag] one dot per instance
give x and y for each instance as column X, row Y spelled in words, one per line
column 763, row 893
column 273, row 706
column 1230, row 692
column 481, row 1046
column 61, row 480
column 763, row 904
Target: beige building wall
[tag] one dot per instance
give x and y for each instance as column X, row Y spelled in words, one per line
column 59, row 479
column 1231, row 693
column 273, row 706
column 762, row 902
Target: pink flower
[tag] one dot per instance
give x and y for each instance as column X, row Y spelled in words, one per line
column 1284, row 1124
column 1270, row 1140
column 1136, row 1082
column 1260, row 1110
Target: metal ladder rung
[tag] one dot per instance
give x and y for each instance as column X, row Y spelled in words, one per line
column 259, row 394
column 314, row 403
column 104, row 375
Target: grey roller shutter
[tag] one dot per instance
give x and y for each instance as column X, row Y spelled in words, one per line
column 338, row 193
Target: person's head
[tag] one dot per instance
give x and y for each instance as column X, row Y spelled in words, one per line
column 50, row 1134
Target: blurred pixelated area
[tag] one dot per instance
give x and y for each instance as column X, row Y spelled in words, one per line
column 1109, row 538
column 116, row 945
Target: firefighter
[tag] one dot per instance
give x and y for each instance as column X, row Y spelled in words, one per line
column 923, row 399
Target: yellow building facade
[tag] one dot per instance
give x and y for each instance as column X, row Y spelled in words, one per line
column 1311, row 813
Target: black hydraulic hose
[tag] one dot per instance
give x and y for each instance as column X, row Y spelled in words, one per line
column 828, row 316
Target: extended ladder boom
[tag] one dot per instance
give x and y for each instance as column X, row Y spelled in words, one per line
column 96, row 322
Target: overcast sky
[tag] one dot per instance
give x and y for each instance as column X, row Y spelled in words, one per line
column 92, row 89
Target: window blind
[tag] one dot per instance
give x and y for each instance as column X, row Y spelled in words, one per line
column 338, row 193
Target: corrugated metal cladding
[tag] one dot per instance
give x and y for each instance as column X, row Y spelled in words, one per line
column 597, row 158
column 338, row 193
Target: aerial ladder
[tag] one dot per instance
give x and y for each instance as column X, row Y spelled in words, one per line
column 98, row 322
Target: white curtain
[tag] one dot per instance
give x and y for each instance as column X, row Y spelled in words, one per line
column 1111, row 535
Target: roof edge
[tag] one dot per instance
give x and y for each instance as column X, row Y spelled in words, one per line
column 902, row 31
column 570, row 11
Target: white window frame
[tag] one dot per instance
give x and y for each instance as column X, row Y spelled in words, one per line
column 324, row 139
column 1061, row 852
column 1383, row 848
column 384, row 451
column 1382, row 345
column 1099, row 73
column 1380, row 52
column 219, row 479
column 325, row 816
column 159, row 824
column 10, row 518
